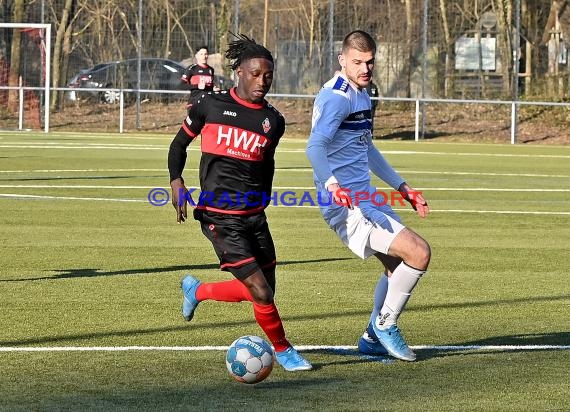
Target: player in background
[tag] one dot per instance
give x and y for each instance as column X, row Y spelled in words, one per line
column 199, row 77
column 341, row 153
column 240, row 132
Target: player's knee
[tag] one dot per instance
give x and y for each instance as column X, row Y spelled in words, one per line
column 261, row 294
column 263, row 297
column 418, row 253
column 423, row 254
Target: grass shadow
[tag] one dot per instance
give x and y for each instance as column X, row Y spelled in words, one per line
column 91, row 272
column 510, row 343
column 56, row 178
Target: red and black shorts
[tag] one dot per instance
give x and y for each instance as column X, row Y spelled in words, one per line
column 243, row 243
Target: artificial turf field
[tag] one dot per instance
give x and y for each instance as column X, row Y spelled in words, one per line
column 90, row 270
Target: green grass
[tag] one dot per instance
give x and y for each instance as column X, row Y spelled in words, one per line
column 93, row 273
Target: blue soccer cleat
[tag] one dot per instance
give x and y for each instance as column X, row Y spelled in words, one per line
column 189, row 285
column 292, row 361
column 368, row 344
column 394, row 343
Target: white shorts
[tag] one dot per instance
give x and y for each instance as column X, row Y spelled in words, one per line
column 355, row 233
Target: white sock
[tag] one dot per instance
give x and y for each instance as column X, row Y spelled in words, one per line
column 379, row 295
column 402, row 282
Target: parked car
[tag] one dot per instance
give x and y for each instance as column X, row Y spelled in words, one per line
column 156, row 74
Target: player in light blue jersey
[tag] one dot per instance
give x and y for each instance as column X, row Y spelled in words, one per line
column 341, row 153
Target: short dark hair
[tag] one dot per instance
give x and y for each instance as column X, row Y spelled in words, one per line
column 202, row 47
column 359, row 40
column 244, row 49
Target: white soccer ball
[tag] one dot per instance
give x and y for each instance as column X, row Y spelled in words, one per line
column 249, row 359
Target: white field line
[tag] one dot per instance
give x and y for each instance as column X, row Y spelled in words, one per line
column 94, row 146
column 125, row 146
column 498, row 212
column 83, row 170
column 80, row 187
column 311, row 188
column 81, row 145
column 94, row 135
column 102, row 199
column 285, row 170
column 498, row 348
column 524, row 155
column 294, row 142
column 489, row 189
column 432, row 172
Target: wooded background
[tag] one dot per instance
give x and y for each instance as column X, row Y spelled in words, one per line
column 417, row 40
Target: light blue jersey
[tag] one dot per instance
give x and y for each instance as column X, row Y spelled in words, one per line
column 340, row 149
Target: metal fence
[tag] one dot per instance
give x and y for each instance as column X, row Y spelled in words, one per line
column 427, row 49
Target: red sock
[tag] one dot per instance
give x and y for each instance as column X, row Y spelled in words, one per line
column 268, row 318
column 228, row 291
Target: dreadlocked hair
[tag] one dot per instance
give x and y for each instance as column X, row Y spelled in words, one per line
column 244, row 49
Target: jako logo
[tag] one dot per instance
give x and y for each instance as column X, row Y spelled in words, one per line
column 229, row 113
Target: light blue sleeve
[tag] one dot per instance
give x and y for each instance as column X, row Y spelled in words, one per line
column 381, row 168
column 329, row 111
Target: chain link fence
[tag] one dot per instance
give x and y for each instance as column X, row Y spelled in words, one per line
column 429, row 49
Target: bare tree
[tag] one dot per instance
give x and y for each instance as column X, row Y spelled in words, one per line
column 409, row 45
column 222, row 28
column 309, row 13
column 504, row 14
column 88, row 32
column 61, row 27
column 15, row 56
column 448, row 48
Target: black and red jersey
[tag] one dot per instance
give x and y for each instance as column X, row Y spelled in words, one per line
column 200, row 79
column 238, row 146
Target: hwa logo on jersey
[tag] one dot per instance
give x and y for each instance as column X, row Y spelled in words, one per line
column 266, row 125
column 230, row 113
column 240, row 143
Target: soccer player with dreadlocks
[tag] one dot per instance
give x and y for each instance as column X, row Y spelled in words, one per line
column 240, row 132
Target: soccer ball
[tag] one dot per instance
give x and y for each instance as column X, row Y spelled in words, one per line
column 249, row 359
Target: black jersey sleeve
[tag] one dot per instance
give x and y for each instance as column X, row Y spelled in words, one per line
column 177, row 154
column 187, row 77
column 191, row 127
column 197, row 116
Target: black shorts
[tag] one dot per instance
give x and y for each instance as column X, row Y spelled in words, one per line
column 243, row 243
